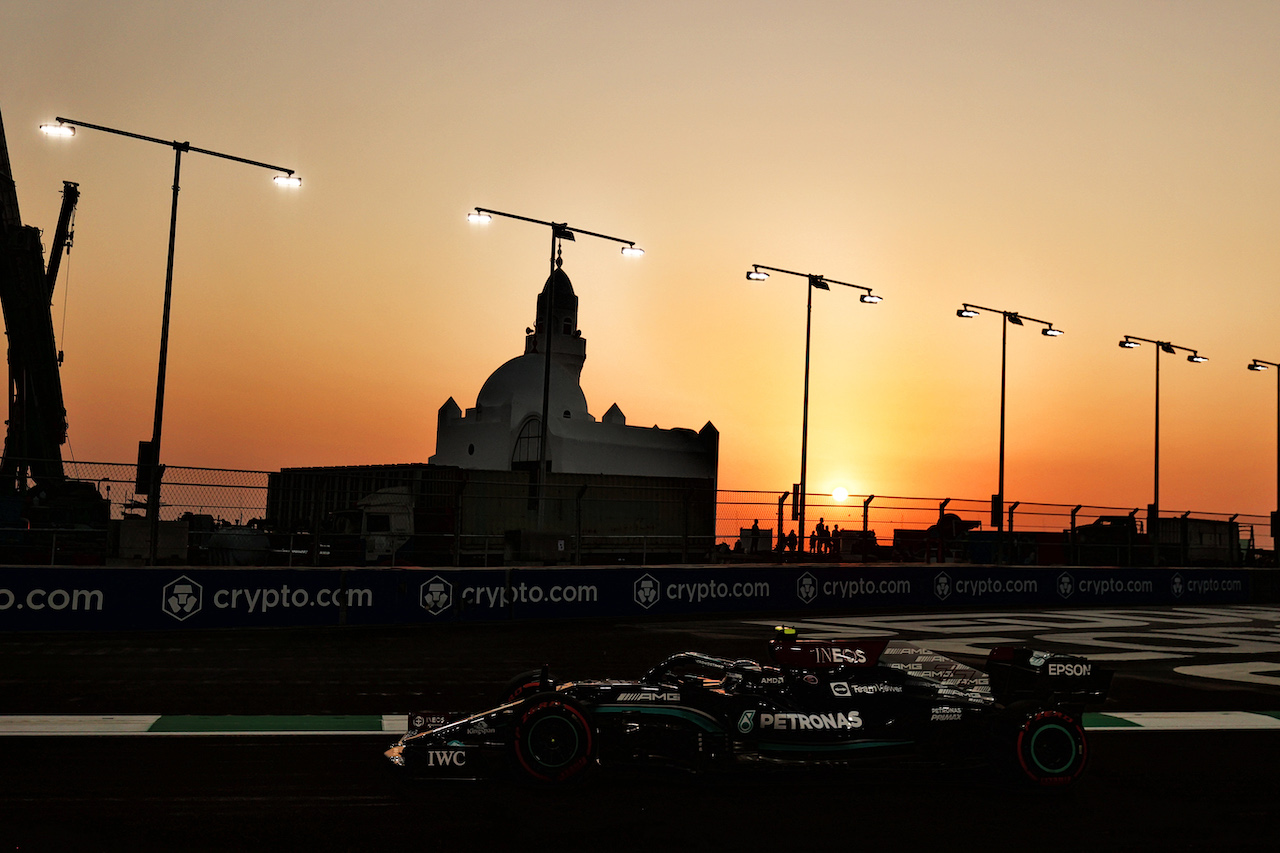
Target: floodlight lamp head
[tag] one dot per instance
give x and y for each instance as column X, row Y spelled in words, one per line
column 871, row 298
column 1012, row 317
column 59, row 130
column 1051, row 332
column 1128, row 344
column 477, row 218
column 631, row 250
column 966, row 312
column 1196, row 358
column 290, row 181
column 756, row 275
column 1167, row 347
column 1256, row 366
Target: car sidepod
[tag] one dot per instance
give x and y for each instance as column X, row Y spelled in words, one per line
column 835, row 714
column 885, row 697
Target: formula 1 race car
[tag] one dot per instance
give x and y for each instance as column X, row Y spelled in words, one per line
column 817, row 701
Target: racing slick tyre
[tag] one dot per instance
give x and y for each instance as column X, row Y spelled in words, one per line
column 552, row 739
column 523, row 685
column 1051, row 748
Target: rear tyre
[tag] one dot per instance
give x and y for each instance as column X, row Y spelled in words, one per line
column 1051, row 748
column 552, row 739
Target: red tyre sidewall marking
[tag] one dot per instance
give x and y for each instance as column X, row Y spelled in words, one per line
column 522, row 690
column 1067, row 722
column 564, row 772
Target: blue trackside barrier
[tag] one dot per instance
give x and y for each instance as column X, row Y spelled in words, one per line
column 35, row 598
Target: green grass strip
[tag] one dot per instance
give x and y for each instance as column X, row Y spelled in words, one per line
column 1106, row 721
column 313, row 723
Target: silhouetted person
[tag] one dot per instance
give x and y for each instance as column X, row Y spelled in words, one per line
column 755, row 536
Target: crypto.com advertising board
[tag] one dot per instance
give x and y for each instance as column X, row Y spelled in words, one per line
column 52, row 598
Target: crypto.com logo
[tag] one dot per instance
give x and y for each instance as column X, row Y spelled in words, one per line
column 942, row 586
column 807, row 588
column 646, row 591
column 181, row 598
column 435, row 595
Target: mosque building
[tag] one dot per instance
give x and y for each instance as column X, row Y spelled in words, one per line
column 502, row 431
column 611, row 492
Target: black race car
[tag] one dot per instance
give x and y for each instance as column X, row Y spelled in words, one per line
column 816, row 701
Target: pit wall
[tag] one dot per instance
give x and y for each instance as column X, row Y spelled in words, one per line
column 178, row 598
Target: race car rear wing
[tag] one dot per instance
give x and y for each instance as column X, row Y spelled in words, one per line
column 1019, row 673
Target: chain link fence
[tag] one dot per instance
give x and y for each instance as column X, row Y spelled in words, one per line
column 470, row 515
column 227, row 496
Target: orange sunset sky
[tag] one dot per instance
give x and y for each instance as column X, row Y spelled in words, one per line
column 1111, row 167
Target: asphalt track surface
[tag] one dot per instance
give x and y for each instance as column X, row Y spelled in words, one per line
column 1212, row 790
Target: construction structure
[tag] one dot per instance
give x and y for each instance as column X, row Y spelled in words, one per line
column 34, row 489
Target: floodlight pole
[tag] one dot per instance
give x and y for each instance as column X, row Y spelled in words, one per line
column 970, row 310
column 1263, row 364
column 149, row 452
column 1153, row 513
column 817, row 282
column 559, row 231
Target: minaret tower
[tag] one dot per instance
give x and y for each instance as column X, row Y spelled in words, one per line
column 568, row 347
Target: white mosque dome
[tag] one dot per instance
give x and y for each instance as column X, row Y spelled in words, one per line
column 519, row 384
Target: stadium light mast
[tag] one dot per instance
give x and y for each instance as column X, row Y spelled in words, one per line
column 1260, row 364
column 760, row 272
column 968, row 311
column 150, row 471
column 1153, row 511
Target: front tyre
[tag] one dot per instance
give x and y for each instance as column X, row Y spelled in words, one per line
column 524, row 685
column 552, row 739
column 1051, row 748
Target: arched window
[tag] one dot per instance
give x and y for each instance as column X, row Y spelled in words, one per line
column 524, row 456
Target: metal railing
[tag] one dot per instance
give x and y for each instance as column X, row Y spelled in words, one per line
column 471, row 523
column 882, row 519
